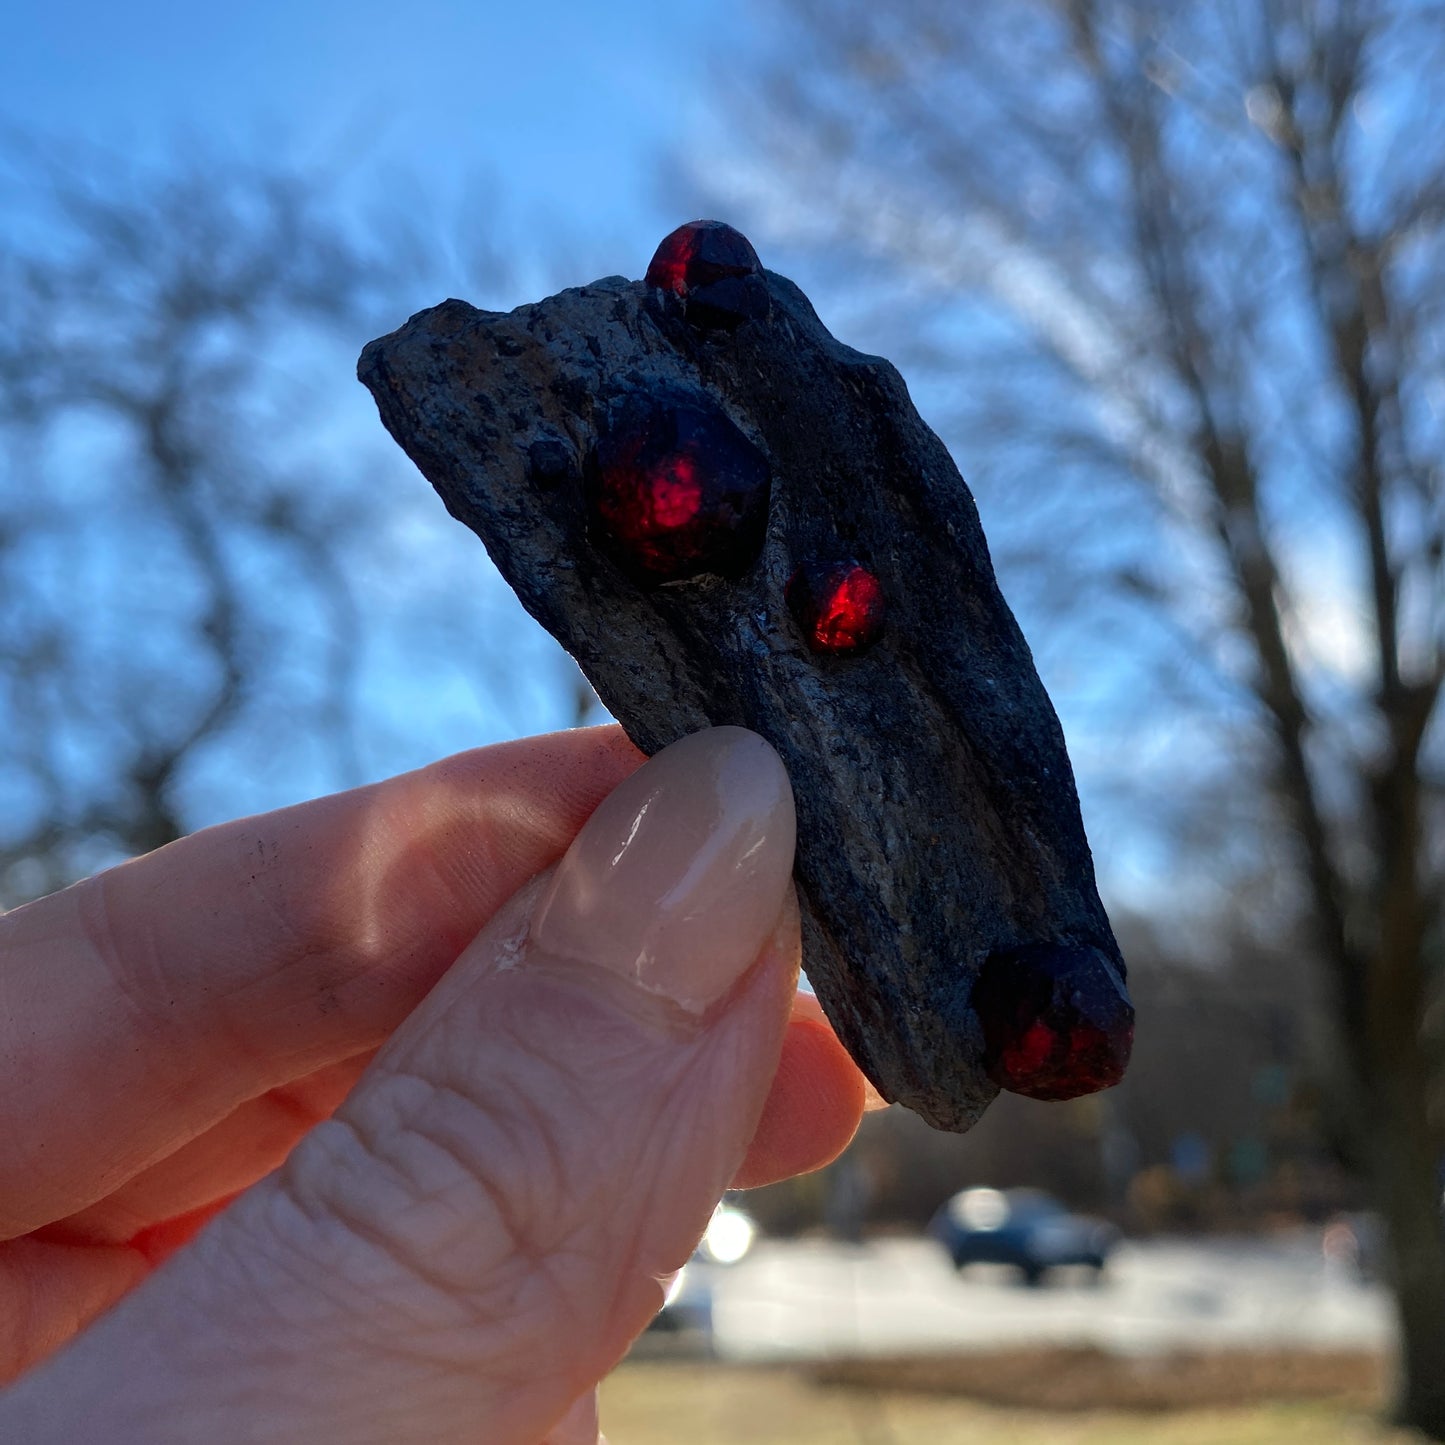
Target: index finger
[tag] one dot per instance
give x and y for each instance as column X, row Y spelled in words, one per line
column 143, row 1005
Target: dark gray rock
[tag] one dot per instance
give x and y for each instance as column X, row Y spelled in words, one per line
column 937, row 817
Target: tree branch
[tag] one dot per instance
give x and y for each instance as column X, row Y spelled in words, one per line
column 1226, row 465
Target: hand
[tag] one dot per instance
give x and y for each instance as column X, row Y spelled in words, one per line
column 448, row 1238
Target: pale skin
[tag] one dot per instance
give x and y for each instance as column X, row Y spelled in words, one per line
column 357, row 1122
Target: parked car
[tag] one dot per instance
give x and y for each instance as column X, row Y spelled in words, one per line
column 1025, row 1228
column 688, row 1303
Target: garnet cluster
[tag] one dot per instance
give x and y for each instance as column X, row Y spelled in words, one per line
column 1057, row 1022
column 674, row 489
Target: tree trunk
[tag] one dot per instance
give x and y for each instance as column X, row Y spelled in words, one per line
column 1407, row 1180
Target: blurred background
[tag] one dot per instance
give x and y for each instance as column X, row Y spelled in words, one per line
column 1169, row 280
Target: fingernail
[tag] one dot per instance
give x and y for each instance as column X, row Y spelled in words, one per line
column 677, row 880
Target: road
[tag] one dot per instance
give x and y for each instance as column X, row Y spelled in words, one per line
column 816, row 1299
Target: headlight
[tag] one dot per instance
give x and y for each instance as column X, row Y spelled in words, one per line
column 730, row 1235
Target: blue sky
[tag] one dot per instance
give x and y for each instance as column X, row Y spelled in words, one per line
column 567, row 105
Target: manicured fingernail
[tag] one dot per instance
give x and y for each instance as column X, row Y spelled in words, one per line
column 677, row 879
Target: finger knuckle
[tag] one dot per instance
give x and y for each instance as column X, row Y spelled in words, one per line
column 446, row 1207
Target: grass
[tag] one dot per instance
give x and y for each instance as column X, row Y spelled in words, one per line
column 656, row 1403
column 1084, row 1377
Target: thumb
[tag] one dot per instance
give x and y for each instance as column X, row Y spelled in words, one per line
column 478, row 1234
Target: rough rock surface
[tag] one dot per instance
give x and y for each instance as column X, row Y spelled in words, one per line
column 937, row 816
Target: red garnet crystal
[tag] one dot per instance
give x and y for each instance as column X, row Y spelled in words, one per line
column 839, row 605
column 675, row 489
column 1057, row 1021
column 715, row 271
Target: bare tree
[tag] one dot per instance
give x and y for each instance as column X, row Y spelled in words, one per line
column 148, row 524
column 1174, row 276
column 202, row 526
